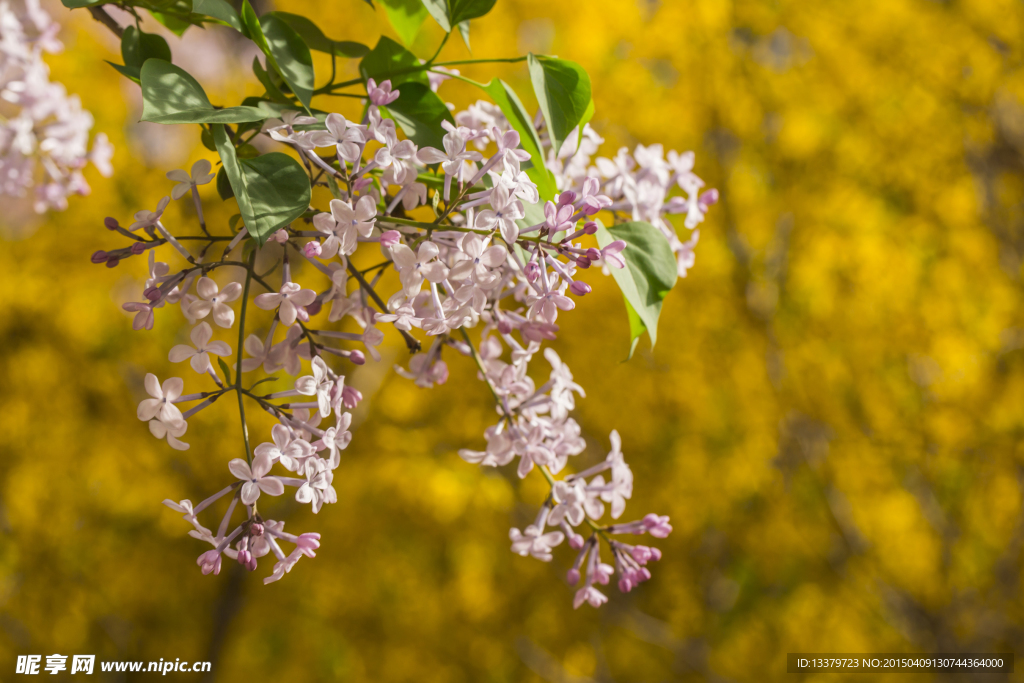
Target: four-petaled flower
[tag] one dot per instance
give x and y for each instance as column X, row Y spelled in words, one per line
column 199, row 355
column 161, row 406
column 256, row 478
column 290, row 300
column 199, row 175
column 216, row 300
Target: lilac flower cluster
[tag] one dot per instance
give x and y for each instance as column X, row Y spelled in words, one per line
column 44, row 132
column 477, row 265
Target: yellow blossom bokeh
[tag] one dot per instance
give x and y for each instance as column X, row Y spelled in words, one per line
column 832, row 416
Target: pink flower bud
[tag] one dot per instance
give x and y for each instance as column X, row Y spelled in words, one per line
column 99, row 257
column 708, row 199
column 312, row 249
column 209, row 562
column 657, row 526
column 576, row 541
column 152, row 293
column 655, row 554
column 112, row 262
column 251, row 564
column 314, row 308
column 390, row 239
column 579, row 288
column 593, row 254
column 111, row 223
column 625, row 585
column 583, row 262
column 350, row 397
column 302, row 314
column 256, row 529
column 281, row 236
column 573, row 576
column 138, row 248
column 504, row 326
column 357, row 357
column 567, row 197
column 243, row 557
column 590, row 227
column 532, row 271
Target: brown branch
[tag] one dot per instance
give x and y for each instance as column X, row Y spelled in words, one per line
column 100, row 15
column 410, row 341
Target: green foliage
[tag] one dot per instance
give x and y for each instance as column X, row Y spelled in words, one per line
column 316, row 40
column 220, row 10
column 171, row 95
column 290, row 56
column 563, row 93
column 272, row 190
column 136, row 48
column 406, row 16
column 449, row 13
column 419, row 111
column 649, row 274
column 389, row 60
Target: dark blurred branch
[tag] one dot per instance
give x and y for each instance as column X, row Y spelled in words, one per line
column 100, row 15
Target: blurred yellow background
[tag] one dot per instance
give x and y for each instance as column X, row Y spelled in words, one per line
column 832, row 417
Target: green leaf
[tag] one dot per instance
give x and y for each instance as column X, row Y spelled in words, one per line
column 272, row 190
column 439, row 10
column 464, row 30
column 273, row 92
column 224, row 185
column 316, row 40
column 649, row 274
column 175, row 23
column 171, row 95
column 224, row 369
column 290, row 56
column 563, row 92
column 406, row 16
column 511, row 106
column 464, row 10
column 137, row 47
column 387, row 59
column 219, row 10
column 76, row 4
column 265, row 379
column 419, row 111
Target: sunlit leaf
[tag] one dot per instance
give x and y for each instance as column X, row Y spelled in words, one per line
column 316, row 40
column 419, row 111
column 219, row 10
column 171, row 95
column 272, row 190
column 563, row 92
column 649, row 274
column 389, row 60
column 406, row 16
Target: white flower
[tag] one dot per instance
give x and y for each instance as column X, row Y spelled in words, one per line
column 200, row 175
column 534, row 543
column 413, row 267
column 289, row 300
column 290, row 451
column 161, row 406
column 147, row 219
column 216, row 301
column 256, row 478
column 318, row 384
column 504, row 212
column 569, row 498
column 200, row 359
column 170, row 432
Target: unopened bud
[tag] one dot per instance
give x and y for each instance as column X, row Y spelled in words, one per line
column 111, row 223
column 357, row 357
column 567, row 197
column 312, row 249
column 532, row 271
column 112, row 262
column 390, row 239
column 99, row 257
column 708, row 199
column 152, row 293
column 583, row 262
column 579, row 288
column 256, row 529
column 314, row 308
column 138, row 248
column 573, row 576
column 590, row 227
